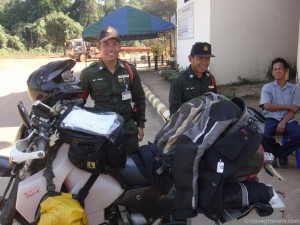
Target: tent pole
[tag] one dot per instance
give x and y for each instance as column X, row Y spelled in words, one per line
column 165, row 48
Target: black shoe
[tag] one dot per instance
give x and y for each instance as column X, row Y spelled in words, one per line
column 283, row 162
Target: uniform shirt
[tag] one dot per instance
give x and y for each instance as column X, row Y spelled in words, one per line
column 186, row 85
column 106, row 89
column 272, row 93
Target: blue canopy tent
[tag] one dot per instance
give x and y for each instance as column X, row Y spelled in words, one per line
column 131, row 23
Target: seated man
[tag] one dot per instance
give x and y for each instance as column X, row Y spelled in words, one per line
column 280, row 101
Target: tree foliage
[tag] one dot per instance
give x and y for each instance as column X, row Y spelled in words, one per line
column 3, row 38
column 86, row 12
column 41, row 23
column 60, row 28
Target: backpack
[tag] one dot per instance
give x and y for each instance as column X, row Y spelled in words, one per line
column 209, row 141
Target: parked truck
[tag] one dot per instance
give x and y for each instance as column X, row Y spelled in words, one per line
column 81, row 50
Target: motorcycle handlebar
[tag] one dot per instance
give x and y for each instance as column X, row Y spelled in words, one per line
column 41, row 144
column 19, row 154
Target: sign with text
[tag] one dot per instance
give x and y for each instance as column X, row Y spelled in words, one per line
column 186, row 22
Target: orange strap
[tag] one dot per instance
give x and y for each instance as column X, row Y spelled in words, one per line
column 129, row 70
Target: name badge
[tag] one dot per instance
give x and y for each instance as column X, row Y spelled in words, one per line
column 220, row 167
column 126, row 95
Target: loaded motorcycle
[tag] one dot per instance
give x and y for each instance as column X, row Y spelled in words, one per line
column 124, row 198
column 59, row 126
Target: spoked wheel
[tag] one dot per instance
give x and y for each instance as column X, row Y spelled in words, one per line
column 17, row 219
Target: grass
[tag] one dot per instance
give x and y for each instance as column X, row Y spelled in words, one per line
column 244, row 81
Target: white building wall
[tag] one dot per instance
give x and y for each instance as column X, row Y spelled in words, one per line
column 201, row 28
column 298, row 58
column 245, row 35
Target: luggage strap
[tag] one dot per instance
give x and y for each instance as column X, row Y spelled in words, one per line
column 49, row 175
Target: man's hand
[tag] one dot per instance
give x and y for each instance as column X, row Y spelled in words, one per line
column 140, row 133
column 280, row 127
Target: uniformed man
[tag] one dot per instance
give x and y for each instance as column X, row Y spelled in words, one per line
column 113, row 85
column 196, row 80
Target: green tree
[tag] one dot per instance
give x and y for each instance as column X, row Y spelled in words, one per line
column 86, row 12
column 164, row 9
column 119, row 3
column 14, row 11
column 41, row 8
column 135, row 3
column 3, row 38
column 14, row 42
column 89, row 12
column 109, row 6
column 60, row 28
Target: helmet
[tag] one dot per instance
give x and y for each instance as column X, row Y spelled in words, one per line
column 51, row 82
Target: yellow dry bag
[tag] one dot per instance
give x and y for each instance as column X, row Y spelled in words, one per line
column 61, row 209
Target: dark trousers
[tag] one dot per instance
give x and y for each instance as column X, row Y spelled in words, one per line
column 291, row 134
column 130, row 136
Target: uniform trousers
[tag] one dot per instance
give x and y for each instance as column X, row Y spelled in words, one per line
column 130, row 136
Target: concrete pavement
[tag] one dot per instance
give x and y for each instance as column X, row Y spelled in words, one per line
column 290, row 190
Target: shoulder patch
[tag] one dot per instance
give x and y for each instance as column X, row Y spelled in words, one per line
column 93, row 64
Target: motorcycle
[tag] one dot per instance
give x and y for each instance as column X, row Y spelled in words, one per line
column 121, row 199
column 57, row 125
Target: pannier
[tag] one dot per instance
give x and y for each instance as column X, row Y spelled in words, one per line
column 96, row 142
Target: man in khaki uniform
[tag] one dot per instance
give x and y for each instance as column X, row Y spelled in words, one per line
column 196, row 80
column 112, row 88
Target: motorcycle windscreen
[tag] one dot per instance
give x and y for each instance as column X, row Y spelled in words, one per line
column 94, row 123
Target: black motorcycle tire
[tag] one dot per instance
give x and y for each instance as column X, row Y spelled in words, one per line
column 8, row 212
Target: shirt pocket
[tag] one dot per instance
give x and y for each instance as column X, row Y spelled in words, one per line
column 100, row 89
column 286, row 99
column 124, row 82
column 190, row 92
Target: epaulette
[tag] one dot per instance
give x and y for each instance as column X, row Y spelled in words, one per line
column 91, row 65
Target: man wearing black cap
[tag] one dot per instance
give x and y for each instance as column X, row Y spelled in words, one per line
column 196, row 80
column 113, row 85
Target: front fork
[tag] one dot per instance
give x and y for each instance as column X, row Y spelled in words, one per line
column 9, row 209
